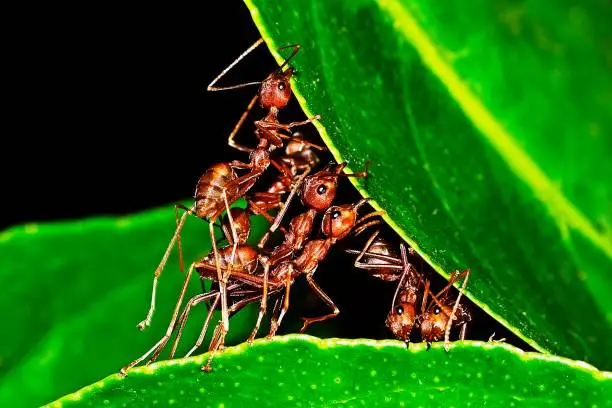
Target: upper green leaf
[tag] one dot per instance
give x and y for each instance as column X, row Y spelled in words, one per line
column 305, row 371
column 73, row 293
column 487, row 127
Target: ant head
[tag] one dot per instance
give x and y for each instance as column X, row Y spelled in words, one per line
column 400, row 320
column 339, row 220
column 433, row 323
column 242, row 225
column 319, row 190
column 275, row 90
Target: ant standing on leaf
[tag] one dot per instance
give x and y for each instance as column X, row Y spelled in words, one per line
column 435, row 318
column 337, row 223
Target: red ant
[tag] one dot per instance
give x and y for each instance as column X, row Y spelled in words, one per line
column 337, row 223
column 443, row 313
column 298, row 158
column 434, row 319
column 220, row 186
column 236, row 232
column 317, row 192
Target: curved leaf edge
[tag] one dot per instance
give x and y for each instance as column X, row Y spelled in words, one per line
column 272, row 46
column 328, row 343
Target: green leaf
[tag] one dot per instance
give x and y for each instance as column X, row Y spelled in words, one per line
column 488, row 127
column 73, row 293
column 298, row 370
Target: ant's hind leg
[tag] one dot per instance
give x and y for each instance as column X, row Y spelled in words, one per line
column 176, row 237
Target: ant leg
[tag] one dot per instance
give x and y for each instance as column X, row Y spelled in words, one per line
column 463, row 331
column 359, row 264
column 263, row 305
column 276, row 308
column 183, row 319
column 147, row 321
column 215, row 344
column 221, row 282
column 161, row 343
column 323, row 296
column 455, row 306
column 255, row 209
column 406, row 268
column 276, row 323
column 204, row 327
column 281, row 213
column 230, row 139
column 178, row 239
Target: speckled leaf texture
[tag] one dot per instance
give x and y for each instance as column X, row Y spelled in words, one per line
column 73, row 293
column 293, row 371
column 488, row 124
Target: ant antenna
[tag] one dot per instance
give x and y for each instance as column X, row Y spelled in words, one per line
column 226, row 70
column 296, row 49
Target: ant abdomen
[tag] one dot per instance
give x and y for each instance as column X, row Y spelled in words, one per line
column 275, row 91
column 241, row 223
column 381, row 247
column 245, row 259
column 208, row 194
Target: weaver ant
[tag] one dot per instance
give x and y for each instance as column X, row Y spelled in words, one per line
column 337, row 223
column 434, row 319
column 299, row 159
column 236, row 227
column 317, row 192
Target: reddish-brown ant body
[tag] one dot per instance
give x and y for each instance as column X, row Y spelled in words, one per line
column 220, row 186
column 337, row 223
column 443, row 313
column 299, row 158
column 236, row 227
column 434, row 319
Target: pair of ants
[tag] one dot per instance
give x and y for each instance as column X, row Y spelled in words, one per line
column 241, row 274
column 437, row 316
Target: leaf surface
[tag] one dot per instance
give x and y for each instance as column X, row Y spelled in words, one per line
column 298, row 370
column 487, row 125
column 74, row 292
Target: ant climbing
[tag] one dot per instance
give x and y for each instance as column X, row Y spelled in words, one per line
column 317, row 192
column 236, row 227
column 220, row 186
column 299, row 159
column 337, row 223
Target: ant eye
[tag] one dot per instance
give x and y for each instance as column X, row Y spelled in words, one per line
column 281, row 86
column 399, row 310
column 437, row 310
column 335, row 214
column 321, row 189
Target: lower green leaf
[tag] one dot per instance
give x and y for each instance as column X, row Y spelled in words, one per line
column 298, row 370
column 73, row 293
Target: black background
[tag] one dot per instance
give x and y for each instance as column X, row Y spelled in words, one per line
column 107, row 113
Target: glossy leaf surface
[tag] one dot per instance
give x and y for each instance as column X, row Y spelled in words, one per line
column 74, row 292
column 305, row 371
column 488, row 127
